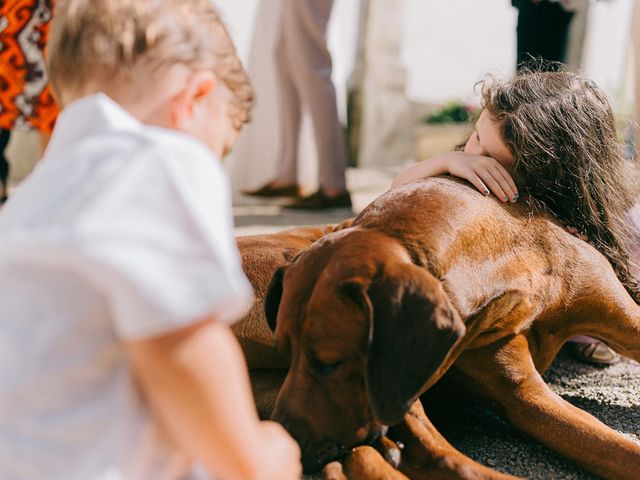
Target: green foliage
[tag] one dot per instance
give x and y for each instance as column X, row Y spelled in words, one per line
column 452, row 112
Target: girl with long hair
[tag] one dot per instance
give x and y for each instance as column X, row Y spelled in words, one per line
column 552, row 136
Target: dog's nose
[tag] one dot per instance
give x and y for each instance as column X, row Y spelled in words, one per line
column 285, row 424
column 279, row 415
column 317, row 454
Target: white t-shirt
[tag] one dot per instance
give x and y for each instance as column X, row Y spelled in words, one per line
column 123, row 231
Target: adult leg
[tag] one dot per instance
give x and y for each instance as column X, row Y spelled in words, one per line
column 310, row 66
column 556, row 21
column 542, row 33
column 290, row 107
column 4, row 164
column 527, row 33
column 285, row 181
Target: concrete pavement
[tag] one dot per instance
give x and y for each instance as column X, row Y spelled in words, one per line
column 253, row 215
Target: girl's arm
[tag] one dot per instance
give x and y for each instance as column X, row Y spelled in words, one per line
column 485, row 173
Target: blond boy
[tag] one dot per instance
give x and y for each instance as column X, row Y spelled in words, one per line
column 118, row 268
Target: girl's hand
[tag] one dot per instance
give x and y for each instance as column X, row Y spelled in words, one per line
column 485, row 173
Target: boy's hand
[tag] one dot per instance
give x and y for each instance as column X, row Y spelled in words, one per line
column 197, row 385
column 485, row 173
column 282, row 453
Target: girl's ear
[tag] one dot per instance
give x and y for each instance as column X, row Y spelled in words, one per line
column 196, row 87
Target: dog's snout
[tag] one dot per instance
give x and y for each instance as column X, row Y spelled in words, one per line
column 286, row 425
column 295, row 428
column 315, row 452
column 282, row 416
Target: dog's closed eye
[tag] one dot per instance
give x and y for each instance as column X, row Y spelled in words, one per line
column 323, row 369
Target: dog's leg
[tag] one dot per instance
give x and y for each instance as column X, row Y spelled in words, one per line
column 427, row 455
column 362, row 463
column 366, row 463
column 333, row 471
column 504, row 375
column 610, row 314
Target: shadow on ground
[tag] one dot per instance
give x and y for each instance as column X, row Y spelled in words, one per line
column 611, row 394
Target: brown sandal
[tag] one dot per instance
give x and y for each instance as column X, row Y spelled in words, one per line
column 595, row 353
column 269, row 190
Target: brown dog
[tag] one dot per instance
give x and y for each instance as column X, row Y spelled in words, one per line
column 261, row 256
column 426, row 452
column 434, row 273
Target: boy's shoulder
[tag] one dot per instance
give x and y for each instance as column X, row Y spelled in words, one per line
column 174, row 145
column 104, row 161
column 96, row 127
column 186, row 160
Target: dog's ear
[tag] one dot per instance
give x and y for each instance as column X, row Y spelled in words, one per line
column 273, row 297
column 413, row 328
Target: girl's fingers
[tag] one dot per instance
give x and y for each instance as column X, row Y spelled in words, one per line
column 493, row 185
column 507, row 183
column 498, row 176
column 478, row 183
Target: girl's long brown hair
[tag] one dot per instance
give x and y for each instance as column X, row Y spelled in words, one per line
column 561, row 130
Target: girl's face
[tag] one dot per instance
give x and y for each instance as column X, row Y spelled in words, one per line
column 487, row 140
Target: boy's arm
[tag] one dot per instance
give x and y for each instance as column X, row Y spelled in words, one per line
column 485, row 173
column 196, row 381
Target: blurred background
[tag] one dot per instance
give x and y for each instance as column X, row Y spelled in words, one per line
column 395, row 64
column 394, row 61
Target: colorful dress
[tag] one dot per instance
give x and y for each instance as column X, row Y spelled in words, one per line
column 25, row 96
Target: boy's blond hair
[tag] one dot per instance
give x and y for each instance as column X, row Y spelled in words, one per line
column 99, row 40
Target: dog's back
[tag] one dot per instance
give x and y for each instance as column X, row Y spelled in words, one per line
column 479, row 247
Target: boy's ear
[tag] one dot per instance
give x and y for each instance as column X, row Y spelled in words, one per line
column 196, row 87
column 201, row 84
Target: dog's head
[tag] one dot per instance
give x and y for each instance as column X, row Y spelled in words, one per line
column 365, row 329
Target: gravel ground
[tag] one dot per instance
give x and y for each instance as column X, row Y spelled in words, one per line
column 611, row 394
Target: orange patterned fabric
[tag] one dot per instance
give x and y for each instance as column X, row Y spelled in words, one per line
column 25, row 96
